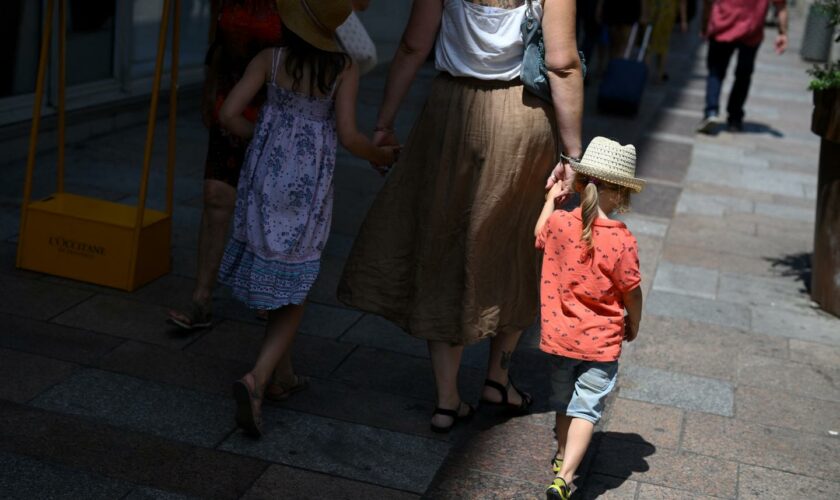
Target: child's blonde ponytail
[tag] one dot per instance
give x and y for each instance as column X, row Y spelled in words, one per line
column 588, row 212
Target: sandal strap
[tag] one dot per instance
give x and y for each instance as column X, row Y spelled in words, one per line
column 499, row 387
column 447, row 412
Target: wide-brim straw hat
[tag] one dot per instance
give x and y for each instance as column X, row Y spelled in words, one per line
column 315, row 20
column 609, row 161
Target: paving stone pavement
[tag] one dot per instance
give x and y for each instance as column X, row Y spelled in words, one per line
column 731, row 391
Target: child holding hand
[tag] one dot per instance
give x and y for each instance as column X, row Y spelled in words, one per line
column 285, row 191
column 590, row 275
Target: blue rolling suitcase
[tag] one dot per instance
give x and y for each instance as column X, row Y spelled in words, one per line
column 624, row 80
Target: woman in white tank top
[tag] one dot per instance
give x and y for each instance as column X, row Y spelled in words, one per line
column 446, row 251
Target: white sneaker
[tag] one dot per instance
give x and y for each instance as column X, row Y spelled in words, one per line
column 709, row 124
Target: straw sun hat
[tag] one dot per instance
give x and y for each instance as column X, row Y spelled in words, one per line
column 609, row 161
column 315, row 20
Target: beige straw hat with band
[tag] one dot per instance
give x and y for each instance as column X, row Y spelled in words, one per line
column 609, row 161
column 315, row 20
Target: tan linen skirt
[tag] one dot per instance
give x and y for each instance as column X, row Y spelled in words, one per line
column 447, row 249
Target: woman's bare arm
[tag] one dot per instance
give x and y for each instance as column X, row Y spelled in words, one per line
column 565, row 76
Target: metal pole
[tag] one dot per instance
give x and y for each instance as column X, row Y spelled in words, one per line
column 150, row 139
column 173, row 107
column 62, row 84
column 36, row 122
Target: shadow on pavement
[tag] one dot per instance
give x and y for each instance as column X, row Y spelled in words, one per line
column 631, row 459
column 797, row 265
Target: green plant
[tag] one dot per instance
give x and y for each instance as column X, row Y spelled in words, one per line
column 827, row 76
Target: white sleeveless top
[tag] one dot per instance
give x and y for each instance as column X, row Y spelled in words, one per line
column 481, row 42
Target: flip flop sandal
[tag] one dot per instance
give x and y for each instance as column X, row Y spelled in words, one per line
column 247, row 406
column 456, row 418
column 558, row 490
column 198, row 317
column 504, row 403
column 281, row 392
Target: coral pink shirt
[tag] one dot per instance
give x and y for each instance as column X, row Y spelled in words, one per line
column 581, row 296
column 739, row 20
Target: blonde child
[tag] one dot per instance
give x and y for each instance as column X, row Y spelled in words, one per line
column 590, row 275
column 285, row 191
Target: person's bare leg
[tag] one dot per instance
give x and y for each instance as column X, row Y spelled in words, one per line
column 561, row 431
column 446, row 360
column 219, row 203
column 280, row 332
column 284, row 373
column 577, row 441
column 498, row 367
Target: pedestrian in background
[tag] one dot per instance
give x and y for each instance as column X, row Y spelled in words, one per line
column 590, row 275
column 662, row 14
column 730, row 26
column 446, row 251
column 285, row 193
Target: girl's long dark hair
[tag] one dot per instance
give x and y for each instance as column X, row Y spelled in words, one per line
column 324, row 67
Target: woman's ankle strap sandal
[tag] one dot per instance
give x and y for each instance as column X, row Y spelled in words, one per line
column 503, row 391
column 454, row 415
column 558, row 490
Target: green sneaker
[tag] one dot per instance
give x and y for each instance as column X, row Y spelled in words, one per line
column 556, row 465
column 558, row 490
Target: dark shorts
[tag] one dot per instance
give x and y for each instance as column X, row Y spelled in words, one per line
column 225, row 155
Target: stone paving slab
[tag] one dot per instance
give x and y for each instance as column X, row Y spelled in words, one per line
column 796, row 378
column 89, row 445
column 25, row 478
column 241, row 342
column 361, row 405
column 686, row 471
column 688, row 392
column 127, row 319
column 804, row 324
column 54, row 341
column 151, row 362
column 686, row 280
column 167, row 411
column 608, row 487
column 377, row 332
column 781, row 409
column 756, row 483
column 698, row 309
column 653, row 492
column 658, row 425
column 781, row 291
column 700, row 349
column 16, row 298
column 814, row 353
column 24, row 376
column 296, row 483
column 754, row 444
column 153, row 494
column 348, row 450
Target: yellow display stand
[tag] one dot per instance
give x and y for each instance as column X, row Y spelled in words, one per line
column 88, row 239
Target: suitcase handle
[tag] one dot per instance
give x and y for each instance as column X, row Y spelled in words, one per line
column 645, row 40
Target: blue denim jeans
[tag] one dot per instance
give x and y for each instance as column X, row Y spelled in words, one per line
column 717, row 62
column 579, row 388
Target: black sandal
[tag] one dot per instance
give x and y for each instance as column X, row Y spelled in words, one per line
column 443, row 429
column 522, row 407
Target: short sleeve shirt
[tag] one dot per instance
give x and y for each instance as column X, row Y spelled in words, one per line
column 582, row 311
column 740, row 21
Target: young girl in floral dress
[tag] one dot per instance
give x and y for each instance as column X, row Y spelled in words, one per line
column 285, row 191
column 590, row 275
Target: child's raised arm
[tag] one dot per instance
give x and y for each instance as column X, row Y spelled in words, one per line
column 345, row 115
column 243, row 92
column 550, row 206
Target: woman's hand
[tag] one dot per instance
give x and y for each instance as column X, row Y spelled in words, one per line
column 560, row 181
column 385, row 137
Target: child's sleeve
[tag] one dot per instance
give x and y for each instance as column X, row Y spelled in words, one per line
column 544, row 234
column 626, row 274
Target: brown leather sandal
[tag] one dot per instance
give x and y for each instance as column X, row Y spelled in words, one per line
column 277, row 391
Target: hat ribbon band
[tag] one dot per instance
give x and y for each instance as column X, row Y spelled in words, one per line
column 312, row 17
